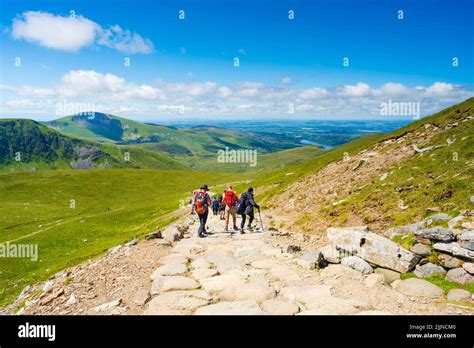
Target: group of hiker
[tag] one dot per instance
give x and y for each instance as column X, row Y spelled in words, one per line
column 226, row 205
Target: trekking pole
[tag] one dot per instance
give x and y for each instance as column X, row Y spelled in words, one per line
column 260, row 217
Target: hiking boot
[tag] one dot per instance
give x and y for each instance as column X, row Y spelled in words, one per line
column 226, row 229
column 202, row 235
column 242, row 231
column 236, row 228
column 250, row 228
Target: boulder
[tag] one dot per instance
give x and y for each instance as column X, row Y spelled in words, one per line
column 231, row 308
column 421, row 249
column 170, row 269
column 374, row 279
column 373, row 248
column 456, row 221
column 291, row 249
column 254, row 291
column 460, row 276
column 448, row 261
column 459, row 295
column 141, row 297
column 466, row 240
column 171, row 235
column 173, row 258
column 162, row 284
column 306, row 293
column 202, row 273
column 312, row 260
column 279, row 307
column 331, row 254
column 454, row 249
column 428, row 269
column 419, row 288
column 200, row 262
column 441, row 217
column 436, row 233
column 407, row 229
column 468, row 267
column 389, row 275
column 153, row 235
column 107, row 306
column 357, row 263
column 182, row 301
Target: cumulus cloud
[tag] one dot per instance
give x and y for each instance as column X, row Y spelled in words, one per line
column 71, row 33
column 286, row 80
column 112, row 92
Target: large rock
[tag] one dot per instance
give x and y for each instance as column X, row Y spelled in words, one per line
column 466, row 240
column 373, row 248
column 428, row 269
column 331, row 254
column 407, row 229
column 454, row 249
column 279, row 307
column 171, row 234
column 419, row 288
column 312, row 260
column 448, row 261
column 441, row 217
column 202, row 273
column 436, row 233
column 170, row 269
column 468, row 267
column 256, row 291
column 374, row 279
column 186, row 301
column 200, row 262
column 231, row 308
column 162, row 284
column 358, row 264
column 306, row 293
column 459, row 295
column 460, row 276
column 389, row 275
column 173, row 258
column 421, row 249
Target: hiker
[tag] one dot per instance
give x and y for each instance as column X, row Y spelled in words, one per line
column 222, row 206
column 201, row 204
column 230, row 199
column 247, row 203
column 215, row 206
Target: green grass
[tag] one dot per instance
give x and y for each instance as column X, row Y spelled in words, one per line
column 111, row 207
column 438, row 279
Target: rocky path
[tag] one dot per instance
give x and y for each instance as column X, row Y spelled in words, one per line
column 225, row 273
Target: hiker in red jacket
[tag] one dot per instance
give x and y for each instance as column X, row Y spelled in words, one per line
column 201, row 204
column 231, row 199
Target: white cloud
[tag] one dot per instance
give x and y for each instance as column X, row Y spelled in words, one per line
column 361, row 89
column 286, row 80
column 313, row 93
column 440, row 89
column 70, row 34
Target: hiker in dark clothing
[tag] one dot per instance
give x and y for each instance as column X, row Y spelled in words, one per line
column 215, row 206
column 247, row 203
column 201, row 204
column 222, row 206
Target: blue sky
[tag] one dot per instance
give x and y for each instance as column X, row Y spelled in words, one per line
column 185, row 68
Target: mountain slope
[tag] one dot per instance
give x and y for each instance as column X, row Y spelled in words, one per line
column 29, row 145
column 381, row 181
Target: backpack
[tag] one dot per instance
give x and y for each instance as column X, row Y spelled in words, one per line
column 230, row 198
column 201, row 202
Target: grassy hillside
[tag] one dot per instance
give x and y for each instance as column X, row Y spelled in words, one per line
column 187, row 144
column 109, row 207
column 29, row 145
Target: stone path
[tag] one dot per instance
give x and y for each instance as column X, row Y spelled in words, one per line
column 230, row 273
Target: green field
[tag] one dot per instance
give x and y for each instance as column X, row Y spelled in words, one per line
column 111, row 207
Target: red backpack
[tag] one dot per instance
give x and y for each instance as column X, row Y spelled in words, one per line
column 201, row 202
column 230, row 198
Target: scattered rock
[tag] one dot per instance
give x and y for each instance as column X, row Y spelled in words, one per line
column 389, row 275
column 51, row 297
column 171, row 235
column 358, row 264
column 374, row 279
column 202, row 273
column 466, row 240
column 231, row 308
column 407, row 229
column 306, row 293
column 312, row 260
column 200, row 262
column 373, row 248
column 107, row 306
column 179, row 302
column 291, row 249
column 459, row 295
column 173, row 258
column 468, row 267
column 448, row 261
column 437, row 233
column 153, row 235
column 428, row 270
column 460, row 276
column 134, row 241
column 454, row 249
column 419, row 288
column 331, row 254
column 441, row 217
column 421, row 249
column 71, row 301
column 279, row 307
